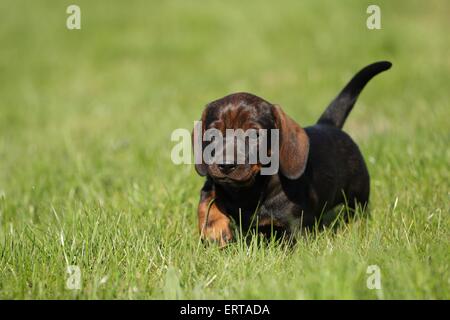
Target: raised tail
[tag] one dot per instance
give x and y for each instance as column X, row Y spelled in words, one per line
column 338, row 110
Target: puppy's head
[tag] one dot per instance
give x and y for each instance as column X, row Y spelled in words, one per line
column 245, row 111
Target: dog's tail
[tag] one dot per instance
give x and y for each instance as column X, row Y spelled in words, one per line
column 340, row 107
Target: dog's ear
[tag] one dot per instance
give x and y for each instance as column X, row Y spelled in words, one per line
column 197, row 144
column 294, row 145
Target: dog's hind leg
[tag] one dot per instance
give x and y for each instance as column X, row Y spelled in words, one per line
column 357, row 196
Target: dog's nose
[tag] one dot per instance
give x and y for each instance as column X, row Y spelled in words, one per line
column 227, row 167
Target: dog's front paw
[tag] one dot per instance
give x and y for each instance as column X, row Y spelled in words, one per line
column 218, row 231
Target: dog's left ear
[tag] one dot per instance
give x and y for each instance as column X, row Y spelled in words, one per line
column 294, row 145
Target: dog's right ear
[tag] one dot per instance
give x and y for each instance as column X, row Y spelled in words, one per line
column 197, row 145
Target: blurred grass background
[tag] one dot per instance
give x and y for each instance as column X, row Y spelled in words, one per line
column 85, row 123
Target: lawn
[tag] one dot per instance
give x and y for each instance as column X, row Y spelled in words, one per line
column 86, row 178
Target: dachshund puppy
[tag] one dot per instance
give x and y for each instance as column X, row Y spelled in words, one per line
column 320, row 166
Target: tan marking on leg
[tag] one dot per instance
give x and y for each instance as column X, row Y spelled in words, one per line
column 217, row 228
column 267, row 221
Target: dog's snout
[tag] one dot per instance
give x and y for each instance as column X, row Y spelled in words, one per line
column 227, row 167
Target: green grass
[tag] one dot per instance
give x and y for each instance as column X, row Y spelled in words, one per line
column 85, row 122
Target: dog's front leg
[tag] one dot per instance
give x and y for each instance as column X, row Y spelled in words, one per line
column 214, row 225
